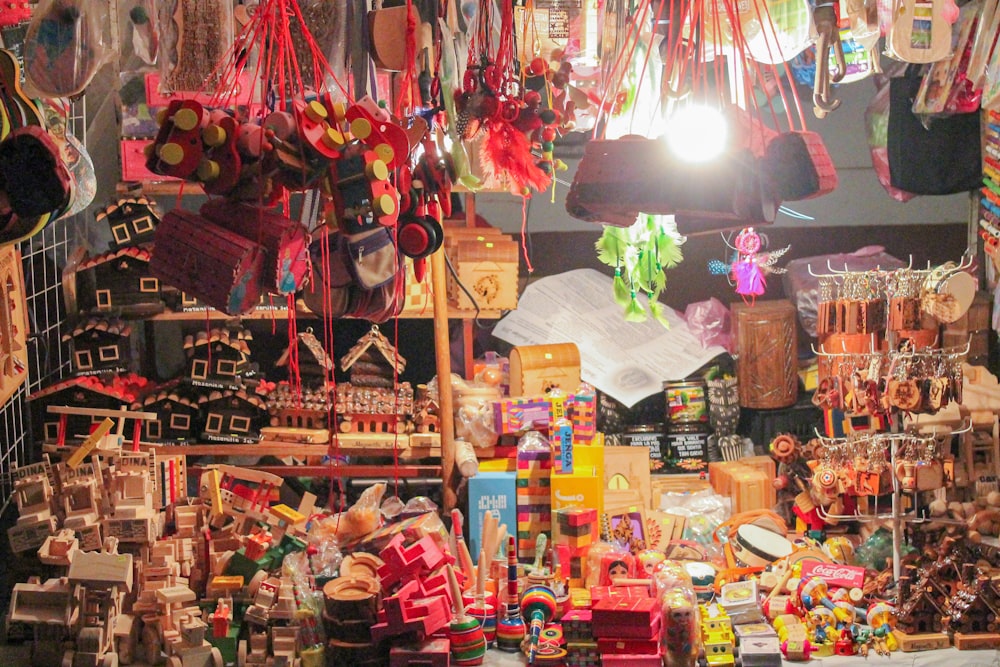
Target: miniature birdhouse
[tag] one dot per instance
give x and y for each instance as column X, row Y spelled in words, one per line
column 217, row 358
column 119, row 280
column 176, row 410
column 100, row 345
column 132, row 221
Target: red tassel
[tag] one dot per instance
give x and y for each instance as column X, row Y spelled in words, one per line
column 506, row 157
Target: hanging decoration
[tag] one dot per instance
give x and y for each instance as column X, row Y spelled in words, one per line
column 640, row 255
column 748, row 269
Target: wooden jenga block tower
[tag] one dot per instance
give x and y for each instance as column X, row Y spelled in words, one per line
column 534, row 500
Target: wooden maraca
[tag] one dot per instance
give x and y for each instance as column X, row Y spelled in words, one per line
column 468, row 645
column 510, row 628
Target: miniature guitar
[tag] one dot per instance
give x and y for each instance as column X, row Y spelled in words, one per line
column 921, row 30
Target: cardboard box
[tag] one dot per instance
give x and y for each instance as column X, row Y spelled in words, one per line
column 490, row 492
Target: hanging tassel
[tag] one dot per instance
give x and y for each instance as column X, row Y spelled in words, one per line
column 634, row 311
column 656, row 310
column 621, row 290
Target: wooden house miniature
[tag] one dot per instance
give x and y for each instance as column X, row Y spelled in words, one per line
column 100, row 345
column 88, row 391
column 132, row 221
column 303, row 407
column 305, row 400
column 232, row 416
column 975, row 605
column 33, row 493
column 923, row 595
column 314, row 365
column 374, row 401
column 217, row 358
column 176, row 413
column 118, row 281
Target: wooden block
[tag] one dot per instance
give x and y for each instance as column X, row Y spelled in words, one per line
column 986, row 640
column 924, row 641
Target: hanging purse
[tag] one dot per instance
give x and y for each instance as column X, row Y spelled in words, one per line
column 941, row 159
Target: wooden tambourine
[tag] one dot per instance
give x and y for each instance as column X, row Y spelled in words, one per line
column 758, row 547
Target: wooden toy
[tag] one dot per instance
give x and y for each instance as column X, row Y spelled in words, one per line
column 620, row 617
column 219, row 169
column 538, row 607
column 175, row 410
column 285, row 242
column 510, row 628
column 537, row 369
column 47, row 608
column 372, row 125
column 399, row 562
column 178, row 149
column 483, row 610
column 404, row 613
column 34, row 495
column 232, row 416
column 132, row 221
column 120, row 280
column 430, row 653
column 100, row 345
column 468, row 642
column 100, row 580
column 373, row 400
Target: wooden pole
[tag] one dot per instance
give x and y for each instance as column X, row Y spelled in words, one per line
column 442, row 354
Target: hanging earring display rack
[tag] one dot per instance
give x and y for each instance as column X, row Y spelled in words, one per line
column 914, row 463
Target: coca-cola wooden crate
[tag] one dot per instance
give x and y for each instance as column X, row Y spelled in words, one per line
column 835, row 574
column 766, row 344
column 221, row 268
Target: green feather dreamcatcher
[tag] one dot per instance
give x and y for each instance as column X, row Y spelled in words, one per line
column 640, row 255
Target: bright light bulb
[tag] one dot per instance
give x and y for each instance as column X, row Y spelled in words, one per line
column 697, row 133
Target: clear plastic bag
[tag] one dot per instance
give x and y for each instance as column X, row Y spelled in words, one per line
column 64, row 47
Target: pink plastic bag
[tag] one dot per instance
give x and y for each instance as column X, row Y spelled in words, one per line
column 709, row 321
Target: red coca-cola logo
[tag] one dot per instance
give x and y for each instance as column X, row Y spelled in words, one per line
column 835, row 574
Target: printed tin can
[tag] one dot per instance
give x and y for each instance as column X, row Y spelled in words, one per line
column 686, row 402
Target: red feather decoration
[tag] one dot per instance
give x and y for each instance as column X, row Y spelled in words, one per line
column 507, row 159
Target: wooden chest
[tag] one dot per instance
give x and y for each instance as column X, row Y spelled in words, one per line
column 537, row 369
column 221, row 268
column 766, row 345
column 488, row 267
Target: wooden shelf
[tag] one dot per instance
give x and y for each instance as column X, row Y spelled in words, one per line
column 282, row 314
column 411, row 446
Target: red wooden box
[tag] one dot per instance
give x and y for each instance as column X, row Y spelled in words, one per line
column 626, row 660
column 626, row 618
column 285, row 242
column 215, row 265
column 629, row 646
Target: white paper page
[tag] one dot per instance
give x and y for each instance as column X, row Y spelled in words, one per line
column 627, row 360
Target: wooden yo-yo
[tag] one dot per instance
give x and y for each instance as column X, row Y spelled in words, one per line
column 468, row 643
